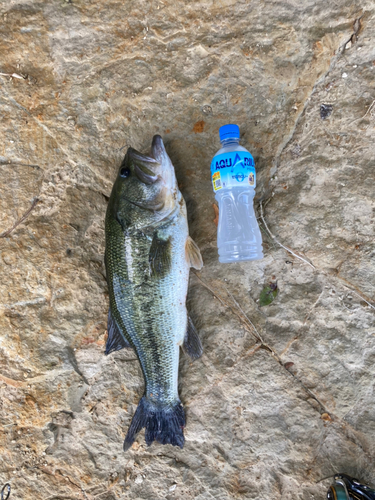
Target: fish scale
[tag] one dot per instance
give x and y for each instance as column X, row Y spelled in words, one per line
column 148, row 257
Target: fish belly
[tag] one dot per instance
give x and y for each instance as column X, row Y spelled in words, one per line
column 152, row 309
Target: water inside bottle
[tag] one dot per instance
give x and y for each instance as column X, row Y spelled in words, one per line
column 239, row 236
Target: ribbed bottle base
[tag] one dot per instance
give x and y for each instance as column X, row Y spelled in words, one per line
column 240, row 254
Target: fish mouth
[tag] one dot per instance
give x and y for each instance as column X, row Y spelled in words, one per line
column 158, row 150
column 157, row 146
column 142, row 164
column 160, row 154
column 145, row 175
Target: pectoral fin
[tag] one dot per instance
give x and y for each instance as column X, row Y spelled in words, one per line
column 160, row 257
column 193, row 254
column 115, row 340
column 192, row 344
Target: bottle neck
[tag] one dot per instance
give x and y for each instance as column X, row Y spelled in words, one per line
column 230, row 141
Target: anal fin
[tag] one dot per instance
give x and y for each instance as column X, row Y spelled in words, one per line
column 115, row 340
column 193, row 254
column 192, row 343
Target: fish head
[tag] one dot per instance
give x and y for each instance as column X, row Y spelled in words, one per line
column 145, row 191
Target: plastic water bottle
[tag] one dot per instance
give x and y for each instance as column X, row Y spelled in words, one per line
column 234, row 180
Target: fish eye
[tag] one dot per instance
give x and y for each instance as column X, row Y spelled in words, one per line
column 125, row 172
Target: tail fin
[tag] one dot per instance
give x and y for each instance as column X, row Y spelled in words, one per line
column 163, row 424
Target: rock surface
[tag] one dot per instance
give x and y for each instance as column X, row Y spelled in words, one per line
column 284, row 394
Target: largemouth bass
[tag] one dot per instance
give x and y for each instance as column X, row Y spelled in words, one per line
column 148, row 256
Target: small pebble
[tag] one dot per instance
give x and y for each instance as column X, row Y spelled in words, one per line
column 138, row 479
column 326, row 417
column 345, row 75
column 206, row 109
column 173, row 487
column 325, row 111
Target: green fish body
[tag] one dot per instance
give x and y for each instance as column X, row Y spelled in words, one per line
column 148, row 257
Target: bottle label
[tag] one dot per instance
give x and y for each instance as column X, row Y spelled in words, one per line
column 232, row 170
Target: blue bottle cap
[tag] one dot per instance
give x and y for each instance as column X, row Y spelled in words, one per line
column 228, row 131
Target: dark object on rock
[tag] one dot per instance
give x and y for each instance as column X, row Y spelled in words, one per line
column 325, row 110
column 347, row 488
column 288, row 365
column 207, row 110
column 268, row 294
column 7, row 485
